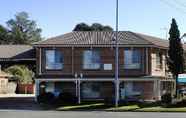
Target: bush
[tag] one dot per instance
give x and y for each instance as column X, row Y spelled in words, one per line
column 180, row 104
column 66, row 98
column 46, row 98
column 166, row 98
column 21, row 73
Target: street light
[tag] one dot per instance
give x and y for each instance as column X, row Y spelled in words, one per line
column 116, row 60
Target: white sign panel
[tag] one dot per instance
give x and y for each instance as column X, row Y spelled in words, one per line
column 181, row 75
column 107, row 66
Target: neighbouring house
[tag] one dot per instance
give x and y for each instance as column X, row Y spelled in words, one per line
column 82, row 63
column 17, row 55
column 4, row 82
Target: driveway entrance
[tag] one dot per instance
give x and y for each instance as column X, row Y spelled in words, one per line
column 18, row 102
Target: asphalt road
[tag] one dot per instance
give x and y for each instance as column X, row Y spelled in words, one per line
column 93, row 114
column 27, row 108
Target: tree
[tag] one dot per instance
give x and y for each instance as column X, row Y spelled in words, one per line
column 175, row 53
column 93, row 27
column 97, row 27
column 107, row 28
column 21, row 73
column 4, row 37
column 82, row 27
column 23, row 30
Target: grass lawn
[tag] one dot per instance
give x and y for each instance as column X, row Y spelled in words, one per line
column 161, row 109
column 122, row 108
column 90, row 106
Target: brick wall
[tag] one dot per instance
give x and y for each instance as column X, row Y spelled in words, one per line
column 73, row 63
column 154, row 70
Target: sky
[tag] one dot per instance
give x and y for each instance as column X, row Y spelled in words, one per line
column 56, row 17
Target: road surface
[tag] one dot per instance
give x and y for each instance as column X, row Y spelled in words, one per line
column 79, row 114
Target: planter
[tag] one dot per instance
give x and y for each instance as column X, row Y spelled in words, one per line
column 25, row 88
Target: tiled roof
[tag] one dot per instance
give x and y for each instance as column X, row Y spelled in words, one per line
column 105, row 38
column 93, row 38
column 19, row 52
column 154, row 40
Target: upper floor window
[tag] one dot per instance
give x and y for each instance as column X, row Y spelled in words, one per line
column 159, row 60
column 132, row 59
column 91, row 59
column 54, row 60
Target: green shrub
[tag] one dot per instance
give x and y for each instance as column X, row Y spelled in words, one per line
column 46, row 98
column 21, row 73
column 66, row 98
column 166, row 98
column 180, row 104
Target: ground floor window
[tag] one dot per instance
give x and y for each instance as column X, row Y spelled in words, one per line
column 49, row 87
column 130, row 90
column 91, row 90
column 58, row 87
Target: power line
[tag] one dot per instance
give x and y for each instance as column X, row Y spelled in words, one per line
column 173, row 6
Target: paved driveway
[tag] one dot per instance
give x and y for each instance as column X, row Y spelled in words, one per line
column 18, row 103
column 94, row 114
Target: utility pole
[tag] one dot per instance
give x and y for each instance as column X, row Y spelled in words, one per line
column 116, row 60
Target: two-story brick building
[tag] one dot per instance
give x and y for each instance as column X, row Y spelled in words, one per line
column 82, row 63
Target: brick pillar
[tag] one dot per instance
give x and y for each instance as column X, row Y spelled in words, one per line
column 157, row 89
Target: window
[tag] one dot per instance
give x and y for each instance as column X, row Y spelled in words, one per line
column 159, row 60
column 54, row 60
column 91, row 59
column 91, row 90
column 130, row 90
column 132, row 59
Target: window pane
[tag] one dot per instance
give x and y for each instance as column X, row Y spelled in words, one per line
column 50, row 56
column 91, row 59
column 128, row 57
column 136, row 56
column 132, row 59
column 130, row 90
column 54, row 59
column 91, row 90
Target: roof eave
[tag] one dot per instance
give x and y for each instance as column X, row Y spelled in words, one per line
column 99, row 45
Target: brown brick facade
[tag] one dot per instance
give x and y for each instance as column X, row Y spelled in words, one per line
column 73, row 63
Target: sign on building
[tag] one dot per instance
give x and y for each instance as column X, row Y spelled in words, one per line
column 182, row 78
